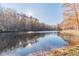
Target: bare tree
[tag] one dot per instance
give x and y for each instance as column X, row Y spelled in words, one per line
column 71, row 9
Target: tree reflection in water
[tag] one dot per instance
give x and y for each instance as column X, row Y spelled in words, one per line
column 14, row 40
column 72, row 40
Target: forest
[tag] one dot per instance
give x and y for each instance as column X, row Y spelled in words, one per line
column 10, row 20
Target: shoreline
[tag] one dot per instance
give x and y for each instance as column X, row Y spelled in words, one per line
column 73, row 32
column 65, row 51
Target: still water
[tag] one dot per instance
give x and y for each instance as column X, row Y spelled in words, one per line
column 23, row 44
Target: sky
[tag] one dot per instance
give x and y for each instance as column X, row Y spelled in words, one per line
column 49, row 13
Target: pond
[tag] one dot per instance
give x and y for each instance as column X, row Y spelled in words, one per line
column 25, row 43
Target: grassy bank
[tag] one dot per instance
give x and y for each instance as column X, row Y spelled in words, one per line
column 68, row 51
column 73, row 32
column 72, row 51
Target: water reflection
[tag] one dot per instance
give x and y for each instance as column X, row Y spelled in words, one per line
column 14, row 40
column 26, row 43
column 71, row 39
column 50, row 41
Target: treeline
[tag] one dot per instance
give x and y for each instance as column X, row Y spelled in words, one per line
column 10, row 20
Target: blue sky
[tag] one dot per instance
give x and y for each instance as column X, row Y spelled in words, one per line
column 49, row 13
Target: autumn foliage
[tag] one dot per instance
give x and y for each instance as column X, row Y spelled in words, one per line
column 71, row 16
